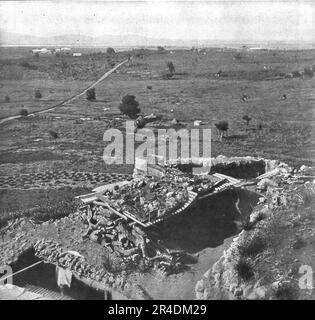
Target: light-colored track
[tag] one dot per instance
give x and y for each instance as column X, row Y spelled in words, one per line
column 104, row 76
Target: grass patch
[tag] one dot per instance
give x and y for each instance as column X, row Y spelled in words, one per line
column 244, row 269
column 38, row 204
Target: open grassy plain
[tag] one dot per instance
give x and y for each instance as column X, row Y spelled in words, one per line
column 280, row 128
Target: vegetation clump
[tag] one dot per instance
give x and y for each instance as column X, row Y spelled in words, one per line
column 91, row 94
column 130, row 106
column 24, row 112
column 38, row 94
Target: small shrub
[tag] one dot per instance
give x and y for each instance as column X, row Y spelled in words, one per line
column 6, row 99
column 171, row 67
column 244, row 224
column 90, row 94
column 130, row 106
column 38, row 94
column 53, row 134
column 297, row 74
column 23, row 112
column 244, row 269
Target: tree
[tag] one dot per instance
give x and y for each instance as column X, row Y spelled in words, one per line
column 110, row 50
column 171, row 67
column 23, row 112
column 90, row 94
column 129, row 106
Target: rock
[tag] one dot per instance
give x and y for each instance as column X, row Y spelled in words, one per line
column 261, row 292
column 199, row 295
column 252, row 296
column 216, row 267
column 207, row 274
column 233, row 287
column 247, row 290
column 275, row 285
column 217, row 278
column 200, row 286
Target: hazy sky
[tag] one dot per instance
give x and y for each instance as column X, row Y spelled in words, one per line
column 198, row 20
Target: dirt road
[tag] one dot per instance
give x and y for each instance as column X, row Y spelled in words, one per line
column 104, row 76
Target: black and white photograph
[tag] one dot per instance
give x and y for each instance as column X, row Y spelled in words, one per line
column 157, row 150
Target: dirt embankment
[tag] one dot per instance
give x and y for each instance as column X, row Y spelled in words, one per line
column 266, row 260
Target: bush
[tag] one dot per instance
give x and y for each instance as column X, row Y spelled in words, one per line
column 53, row 134
column 244, row 269
column 129, row 106
column 90, row 94
column 297, row 74
column 23, row 112
column 38, row 94
column 6, row 99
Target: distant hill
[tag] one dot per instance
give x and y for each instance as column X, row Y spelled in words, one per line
column 11, row 39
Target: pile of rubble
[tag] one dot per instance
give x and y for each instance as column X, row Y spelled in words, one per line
column 127, row 242
column 98, row 277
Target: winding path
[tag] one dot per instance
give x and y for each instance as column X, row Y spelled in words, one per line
column 104, row 76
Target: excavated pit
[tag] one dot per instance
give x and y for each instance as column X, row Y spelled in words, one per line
column 208, row 223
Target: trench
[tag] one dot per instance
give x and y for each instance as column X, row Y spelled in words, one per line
column 204, row 233
column 241, row 169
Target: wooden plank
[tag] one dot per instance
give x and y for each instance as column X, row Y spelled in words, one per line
column 110, row 208
column 223, row 176
column 105, row 203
